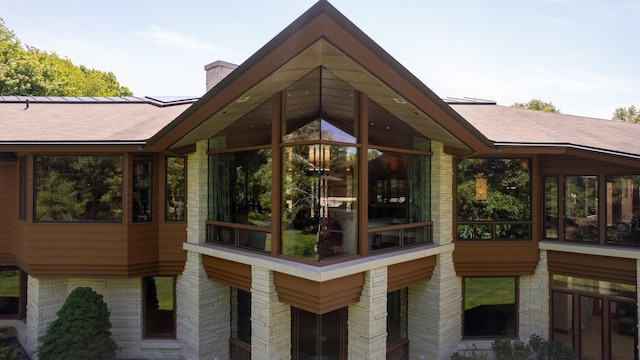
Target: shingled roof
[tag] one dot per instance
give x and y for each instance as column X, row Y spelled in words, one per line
column 85, row 120
column 509, row 126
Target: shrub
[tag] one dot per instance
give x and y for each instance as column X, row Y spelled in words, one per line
column 9, row 353
column 550, row 350
column 81, row 331
column 537, row 349
column 510, row 350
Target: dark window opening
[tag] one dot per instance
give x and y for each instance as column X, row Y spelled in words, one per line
column 490, row 307
column 159, row 307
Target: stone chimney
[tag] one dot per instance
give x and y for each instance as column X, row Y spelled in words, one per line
column 216, row 71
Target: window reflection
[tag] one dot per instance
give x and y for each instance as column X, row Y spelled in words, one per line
column 623, row 209
column 320, row 201
column 581, row 208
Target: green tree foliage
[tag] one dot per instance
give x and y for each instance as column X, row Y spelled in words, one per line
column 627, row 114
column 81, row 331
column 535, row 104
column 26, row 70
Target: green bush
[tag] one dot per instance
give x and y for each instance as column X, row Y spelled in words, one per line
column 9, row 353
column 537, row 349
column 81, row 331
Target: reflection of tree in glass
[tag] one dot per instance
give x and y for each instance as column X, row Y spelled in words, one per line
column 79, row 188
column 508, row 189
column 175, row 187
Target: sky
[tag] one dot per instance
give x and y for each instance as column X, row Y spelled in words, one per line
column 583, row 56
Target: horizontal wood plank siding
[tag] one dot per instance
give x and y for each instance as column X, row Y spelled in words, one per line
column 171, row 256
column 8, row 209
column 234, row 274
column 319, row 297
column 493, row 258
column 604, row 268
column 405, row 274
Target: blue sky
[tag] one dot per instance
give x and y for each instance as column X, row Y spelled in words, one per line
column 581, row 55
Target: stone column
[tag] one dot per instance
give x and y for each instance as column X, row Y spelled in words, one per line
column 368, row 318
column 44, row 298
column 434, row 307
column 203, row 306
column 534, row 312
column 270, row 318
column 203, row 313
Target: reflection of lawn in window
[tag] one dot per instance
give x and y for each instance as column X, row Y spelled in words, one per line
column 9, row 283
column 299, row 244
column 164, row 292
column 488, row 291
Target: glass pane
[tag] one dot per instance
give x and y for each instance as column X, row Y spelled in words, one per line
column 399, row 192
column 320, row 201
column 590, row 328
column 385, row 129
column 562, row 318
column 381, row 240
column 493, row 189
column 254, row 240
column 622, row 330
column 142, row 191
column 175, row 185
column 312, row 114
column 159, row 307
column 241, row 190
column 78, row 188
column 241, row 315
column 474, row 232
column 396, row 316
column 319, row 336
column 623, row 209
column 490, row 307
column 513, row 231
column 551, row 207
column 581, row 208
column 9, row 291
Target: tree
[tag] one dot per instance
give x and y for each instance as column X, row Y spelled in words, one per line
column 629, row 114
column 26, row 70
column 535, row 104
column 81, row 331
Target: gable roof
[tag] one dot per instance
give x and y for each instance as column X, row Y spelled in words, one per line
column 39, row 120
column 322, row 36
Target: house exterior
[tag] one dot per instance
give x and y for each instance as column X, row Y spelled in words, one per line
column 320, row 202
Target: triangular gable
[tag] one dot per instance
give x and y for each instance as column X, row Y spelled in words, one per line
column 322, row 36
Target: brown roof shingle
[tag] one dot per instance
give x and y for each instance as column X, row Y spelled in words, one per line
column 509, row 126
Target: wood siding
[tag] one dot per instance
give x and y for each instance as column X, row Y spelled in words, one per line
column 493, row 258
column 8, row 209
column 604, row 268
column 404, row 274
column 234, row 274
column 319, row 297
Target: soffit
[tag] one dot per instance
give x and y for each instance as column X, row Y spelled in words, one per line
column 321, row 53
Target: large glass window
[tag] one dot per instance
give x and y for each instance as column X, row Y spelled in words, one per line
column 493, row 199
column 240, row 340
column 142, row 190
column 316, row 336
column 175, row 188
column 551, row 207
column 581, row 208
column 22, row 205
column 318, row 195
column 623, row 209
column 78, row 188
column 397, row 337
column 240, row 201
column 12, row 287
column 159, row 307
column 595, row 317
column 490, row 307
column 319, row 168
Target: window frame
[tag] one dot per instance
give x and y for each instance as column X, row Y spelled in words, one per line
column 516, row 306
column 490, row 229
column 167, row 190
column 36, row 178
column 146, row 331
